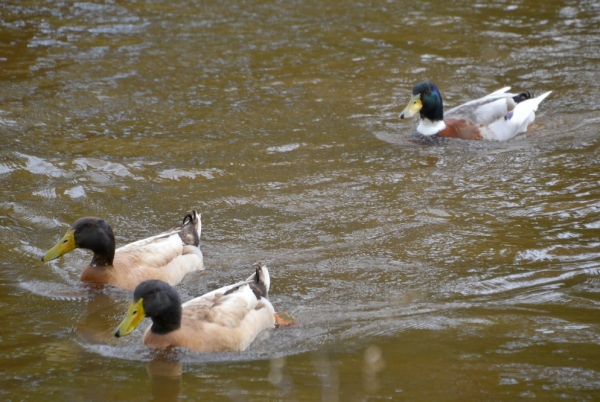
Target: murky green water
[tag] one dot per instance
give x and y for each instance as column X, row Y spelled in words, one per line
column 466, row 272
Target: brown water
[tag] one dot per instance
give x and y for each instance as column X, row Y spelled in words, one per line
column 465, row 272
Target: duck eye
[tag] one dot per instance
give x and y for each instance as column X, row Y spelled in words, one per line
column 134, row 312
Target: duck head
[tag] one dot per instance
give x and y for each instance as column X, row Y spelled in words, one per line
column 426, row 100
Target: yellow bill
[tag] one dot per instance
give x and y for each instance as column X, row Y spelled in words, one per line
column 413, row 107
column 64, row 245
column 135, row 315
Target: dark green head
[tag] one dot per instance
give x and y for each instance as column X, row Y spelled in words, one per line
column 427, row 101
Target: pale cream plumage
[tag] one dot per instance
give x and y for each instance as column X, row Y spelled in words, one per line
column 168, row 256
column 226, row 319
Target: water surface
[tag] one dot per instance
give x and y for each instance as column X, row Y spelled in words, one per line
column 472, row 266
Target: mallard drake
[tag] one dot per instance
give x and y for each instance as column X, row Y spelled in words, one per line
column 226, row 319
column 498, row 116
column 167, row 256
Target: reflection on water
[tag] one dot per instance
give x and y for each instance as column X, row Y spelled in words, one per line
column 165, row 377
column 473, row 266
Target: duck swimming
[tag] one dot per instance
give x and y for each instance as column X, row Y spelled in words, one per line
column 168, row 256
column 226, row 319
column 498, row 116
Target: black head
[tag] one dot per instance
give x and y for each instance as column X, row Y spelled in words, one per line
column 90, row 233
column 157, row 300
column 161, row 303
column 95, row 234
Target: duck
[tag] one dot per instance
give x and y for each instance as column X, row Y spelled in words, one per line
column 498, row 116
column 226, row 319
column 168, row 256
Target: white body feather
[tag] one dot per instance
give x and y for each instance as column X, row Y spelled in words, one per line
column 517, row 122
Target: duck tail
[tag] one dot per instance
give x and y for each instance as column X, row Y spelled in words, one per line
column 524, row 113
column 191, row 228
column 260, row 281
column 523, row 96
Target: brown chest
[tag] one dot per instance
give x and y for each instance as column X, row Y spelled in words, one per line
column 98, row 275
column 456, row 128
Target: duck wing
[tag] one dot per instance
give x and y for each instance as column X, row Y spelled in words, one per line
column 157, row 251
column 486, row 110
column 228, row 318
column 168, row 256
column 263, row 281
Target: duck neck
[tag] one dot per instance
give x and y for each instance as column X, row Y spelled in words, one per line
column 102, row 260
column 430, row 127
column 168, row 321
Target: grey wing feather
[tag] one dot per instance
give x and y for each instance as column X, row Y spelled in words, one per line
column 484, row 110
